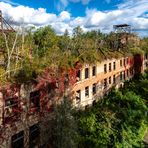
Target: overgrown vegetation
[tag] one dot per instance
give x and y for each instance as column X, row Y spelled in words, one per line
column 119, row 120
column 28, row 53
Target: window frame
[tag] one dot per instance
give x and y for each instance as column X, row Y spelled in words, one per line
column 124, row 62
column 121, row 64
column 114, row 65
column 87, row 91
column 86, row 73
column 34, row 129
column 35, row 100
column 110, row 80
column 105, row 83
column 124, row 75
column 121, row 76
column 94, row 70
column 127, row 72
column 17, row 137
column 78, row 95
column 105, row 68
column 110, row 67
column 94, row 88
column 114, row 79
column 78, row 76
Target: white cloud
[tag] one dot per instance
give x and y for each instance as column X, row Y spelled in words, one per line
column 62, row 4
column 130, row 12
column 26, row 15
column 22, row 15
column 64, row 15
column 78, row 21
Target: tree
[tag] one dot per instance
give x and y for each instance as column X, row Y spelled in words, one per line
column 64, row 126
column 119, row 120
column 44, row 39
column 77, row 31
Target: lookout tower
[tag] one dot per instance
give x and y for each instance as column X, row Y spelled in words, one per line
column 123, row 33
column 123, row 28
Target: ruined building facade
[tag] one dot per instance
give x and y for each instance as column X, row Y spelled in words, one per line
column 24, row 106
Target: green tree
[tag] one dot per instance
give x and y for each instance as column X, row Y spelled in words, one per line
column 44, row 39
column 119, row 120
column 64, row 126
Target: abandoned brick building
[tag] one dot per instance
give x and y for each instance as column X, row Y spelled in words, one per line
column 24, row 106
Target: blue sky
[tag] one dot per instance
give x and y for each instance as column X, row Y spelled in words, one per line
column 67, row 14
column 75, row 7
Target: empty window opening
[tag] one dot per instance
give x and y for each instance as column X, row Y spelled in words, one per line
column 105, row 83
column 120, row 75
column 105, row 68
column 35, row 100
column 11, row 111
column 114, row 79
column 131, row 71
column 78, row 75
column 78, row 95
column 127, row 72
column 86, row 107
column 94, row 89
column 114, row 65
column 87, row 91
column 110, row 81
column 120, row 63
column 94, row 103
column 17, row 140
column 94, row 71
column 124, row 76
column 124, row 62
column 110, row 67
column 34, row 136
column 86, row 73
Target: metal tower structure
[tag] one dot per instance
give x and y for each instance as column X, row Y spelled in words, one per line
column 122, row 28
column 4, row 25
column 122, row 32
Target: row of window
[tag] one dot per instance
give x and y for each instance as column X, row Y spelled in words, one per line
column 94, row 90
column 12, row 110
column 86, row 73
column 94, row 71
column 126, row 73
column 110, row 67
column 17, row 140
column 123, row 76
column 34, row 100
column 109, row 80
column 123, row 62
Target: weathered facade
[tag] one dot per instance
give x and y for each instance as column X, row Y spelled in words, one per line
column 23, row 107
column 96, row 80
